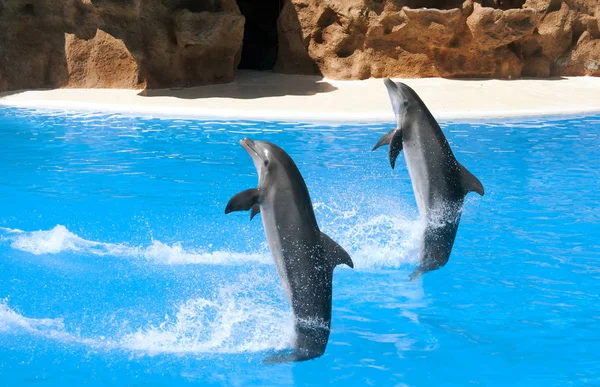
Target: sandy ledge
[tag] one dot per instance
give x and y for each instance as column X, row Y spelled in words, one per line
column 263, row 96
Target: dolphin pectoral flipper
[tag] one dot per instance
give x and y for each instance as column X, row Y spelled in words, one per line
column 469, row 182
column 395, row 147
column 386, row 139
column 394, row 139
column 254, row 210
column 243, row 201
column 335, row 253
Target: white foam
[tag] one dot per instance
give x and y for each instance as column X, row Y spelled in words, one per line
column 239, row 318
column 52, row 241
column 241, row 315
column 175, row 254
column 377, row 233
column 59, row 239
column 388, row 239
column 12, row 321
column 383, row 241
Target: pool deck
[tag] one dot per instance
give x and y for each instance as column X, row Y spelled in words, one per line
column 256, row 95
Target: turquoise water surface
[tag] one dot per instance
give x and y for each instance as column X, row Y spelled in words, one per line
column 119, row 267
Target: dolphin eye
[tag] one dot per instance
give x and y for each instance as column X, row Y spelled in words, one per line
column 405, row 103
column 266, row 163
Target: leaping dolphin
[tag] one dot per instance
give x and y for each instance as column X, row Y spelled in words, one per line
column 304, row 256
column 439, row 181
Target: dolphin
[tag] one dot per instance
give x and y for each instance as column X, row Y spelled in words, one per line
column 439, row 181
column 304, row 256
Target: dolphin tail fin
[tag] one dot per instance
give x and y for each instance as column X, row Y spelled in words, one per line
column 243, row 201
column 285, row 356
column 393, row 138
column 335, row 254
column 469, row 182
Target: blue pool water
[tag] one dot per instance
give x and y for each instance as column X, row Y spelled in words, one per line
column 118, row 265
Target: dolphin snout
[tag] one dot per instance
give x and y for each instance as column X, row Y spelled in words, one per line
column 246, row 141
column 388, row 82
column 249, row 146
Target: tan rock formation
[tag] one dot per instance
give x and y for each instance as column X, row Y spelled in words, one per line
column 170, row 43
column 481, row 38
column 210, row 45
column 584, row 57
column 102, row 61
column 118, row 43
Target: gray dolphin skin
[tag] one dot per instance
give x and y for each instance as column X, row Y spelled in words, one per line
column 304, row 256
column 439, row 181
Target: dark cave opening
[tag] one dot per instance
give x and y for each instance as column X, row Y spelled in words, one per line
column 259, row 50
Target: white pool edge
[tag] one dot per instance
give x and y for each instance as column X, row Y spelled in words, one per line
column 280, row 97
column 286, row 115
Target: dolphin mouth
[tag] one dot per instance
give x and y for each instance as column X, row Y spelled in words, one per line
column 249, row 146
column 389, row 84
column 257, row 159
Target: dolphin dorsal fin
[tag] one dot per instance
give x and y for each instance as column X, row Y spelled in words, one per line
column 469, row 182
column 334, row 253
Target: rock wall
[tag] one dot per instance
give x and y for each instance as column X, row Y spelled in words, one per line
column 357, row 39
column 118, row 43
column 179, row 43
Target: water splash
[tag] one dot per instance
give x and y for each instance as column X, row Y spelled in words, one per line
column 60, row 240
column 386, row 237
column 384, row 240
column 13, row 321
column 239, row 317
